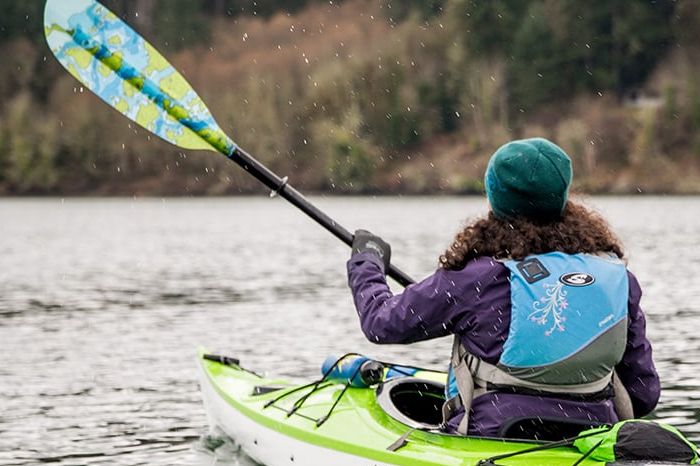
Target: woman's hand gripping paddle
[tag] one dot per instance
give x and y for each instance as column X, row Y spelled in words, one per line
column 112, row 60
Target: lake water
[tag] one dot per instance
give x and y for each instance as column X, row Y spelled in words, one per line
column 103, row 304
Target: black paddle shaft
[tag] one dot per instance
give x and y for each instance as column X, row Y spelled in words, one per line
column 280, row 187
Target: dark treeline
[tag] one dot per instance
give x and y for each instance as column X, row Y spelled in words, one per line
column 180, row 22
column 359, row 96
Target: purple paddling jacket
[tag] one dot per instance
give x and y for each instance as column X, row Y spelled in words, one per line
column 474, row 304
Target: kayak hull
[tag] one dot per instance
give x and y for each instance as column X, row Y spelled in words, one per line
column 357, row 433
column 266, row 445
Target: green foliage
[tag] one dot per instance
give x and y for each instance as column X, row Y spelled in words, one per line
column 535, row 74
column 173, row 24
column 400, row 10
column 489, row 26
column 255, row 8
column 642, row 32
column 349, row 159
column 437, row 69
column 438, row 97
column 180, row 23
column 564, row 46
column 177, row 10
column 21, row 19
column 30, row 141
column 352, row 163
column 386, row 114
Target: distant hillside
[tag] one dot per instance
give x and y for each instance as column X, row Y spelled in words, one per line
column 365, row 96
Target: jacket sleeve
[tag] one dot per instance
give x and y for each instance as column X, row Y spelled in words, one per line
column 636, row 370
column 423, row 311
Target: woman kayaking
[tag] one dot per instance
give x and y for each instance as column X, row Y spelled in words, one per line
column 546, row 317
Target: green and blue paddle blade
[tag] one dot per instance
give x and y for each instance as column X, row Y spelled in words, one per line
column 117, row 64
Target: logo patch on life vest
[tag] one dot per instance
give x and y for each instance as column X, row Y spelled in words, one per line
column 577, row 279
column 532, row 270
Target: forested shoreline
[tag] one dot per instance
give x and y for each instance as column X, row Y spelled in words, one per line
column 362, row 96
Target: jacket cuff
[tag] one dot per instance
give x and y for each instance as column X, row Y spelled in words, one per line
column 366, row 256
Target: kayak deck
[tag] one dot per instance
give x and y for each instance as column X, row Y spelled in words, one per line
column 358, row 432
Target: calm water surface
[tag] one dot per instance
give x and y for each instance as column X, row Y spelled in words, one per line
column 104, row 302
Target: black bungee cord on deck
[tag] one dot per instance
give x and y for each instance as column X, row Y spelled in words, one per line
column 228, row 361
column 315, row 387
column 588, row 453
column 348, row 384
column 547, row 446
column 323, row 383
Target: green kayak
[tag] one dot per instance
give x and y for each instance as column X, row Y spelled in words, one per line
column 277, row 423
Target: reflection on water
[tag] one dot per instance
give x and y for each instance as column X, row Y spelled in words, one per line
column 103, row 303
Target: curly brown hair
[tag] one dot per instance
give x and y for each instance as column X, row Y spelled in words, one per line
column 578, row 230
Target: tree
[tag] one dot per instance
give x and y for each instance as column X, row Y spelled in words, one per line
column 642, row 31
column 566, row 46
column 489, row 26
column 181, row 23
column 535, row 74
column 23, row 18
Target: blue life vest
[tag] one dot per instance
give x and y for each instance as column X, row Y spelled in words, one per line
column 568, row 325
column 568, row 320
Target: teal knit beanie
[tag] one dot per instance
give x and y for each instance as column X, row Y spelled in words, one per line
column 529, row 178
